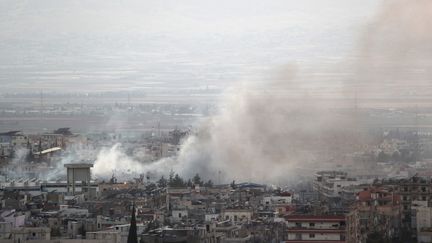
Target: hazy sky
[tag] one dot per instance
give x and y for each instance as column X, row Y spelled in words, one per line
column 98, row 45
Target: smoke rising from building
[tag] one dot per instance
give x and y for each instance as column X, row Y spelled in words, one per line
column 271, row 133
column 274, row 131
column 114, row 161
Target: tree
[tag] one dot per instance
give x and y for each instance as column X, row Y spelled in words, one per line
column 233, row 185
column 177, row 181
column 396, row 156
column 150, row 187
column 209, row 183
column 171, row 177
column 382, row 157
column 189, row 183
column 197, row 180
column 162, row 182
column 132, row 236
column 377, row 237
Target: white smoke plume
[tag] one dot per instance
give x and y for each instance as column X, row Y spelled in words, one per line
column 394, row 58
column 274, row 133
column 277, row 131
column 114, row 161
column 15, row 169
column 75, row 153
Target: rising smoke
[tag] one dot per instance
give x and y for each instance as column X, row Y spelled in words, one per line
column 394, row 56
column 274, row 132
column 114, row 161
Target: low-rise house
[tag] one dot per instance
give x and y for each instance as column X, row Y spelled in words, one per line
column 105, row 236
column 237, row 215
column 5, row 230
column 28, row 234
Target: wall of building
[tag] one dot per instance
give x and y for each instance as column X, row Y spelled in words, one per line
column 313, row 225
column 315, row 236
column 237, row 216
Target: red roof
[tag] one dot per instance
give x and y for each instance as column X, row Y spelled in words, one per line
column 364, row 196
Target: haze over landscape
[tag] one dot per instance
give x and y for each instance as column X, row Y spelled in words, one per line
column 97, row 46
column 216, row 121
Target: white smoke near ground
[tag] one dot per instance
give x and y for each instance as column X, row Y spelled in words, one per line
column 114, row 161
column 268, row 135
column 75, row 153
column 15, row 169
column 259, row 135
column 275, row 132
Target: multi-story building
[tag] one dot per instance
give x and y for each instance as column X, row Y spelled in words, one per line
column 423, row 221
column 330, row 184
column 316, row 228
column 376, row 210
column 410, row 189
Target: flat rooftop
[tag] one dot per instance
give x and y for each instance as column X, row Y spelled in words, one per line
column 78, row 166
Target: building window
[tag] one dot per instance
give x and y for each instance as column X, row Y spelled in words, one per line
column 311, row 235
column 311, row 224
column 299, row 225
column 298, row 236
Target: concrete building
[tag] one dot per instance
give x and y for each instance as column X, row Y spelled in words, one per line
column 376, row 210
column 105, row 236
column 413, row 189
column 316, row 228
column 179, row 215
column 78, row 172
column 29, row 234
column 278, row 199
column 330, row 184
column 5, row 230
column 237, row 215
column 423, row 221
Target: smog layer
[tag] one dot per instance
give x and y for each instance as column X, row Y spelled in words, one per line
column 290, row 122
